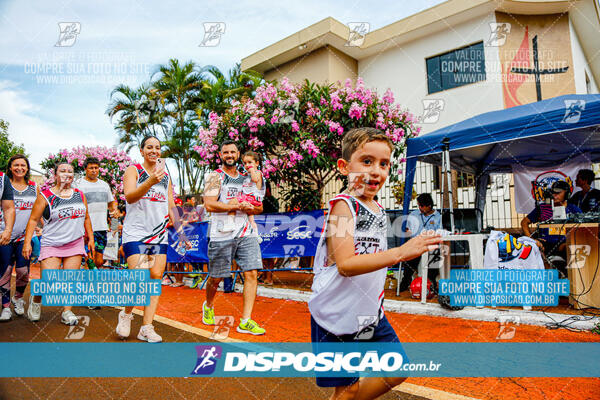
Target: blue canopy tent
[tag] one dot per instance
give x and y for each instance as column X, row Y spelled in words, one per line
column 539, row 134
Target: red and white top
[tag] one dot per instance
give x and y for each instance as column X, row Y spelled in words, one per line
column 23, row 205
column 146, row 219
column 231, row 187
column 63, row 218
column 338, row 303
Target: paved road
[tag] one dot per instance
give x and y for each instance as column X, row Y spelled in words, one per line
column 98, row 326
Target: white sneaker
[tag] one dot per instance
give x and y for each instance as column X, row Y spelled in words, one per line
column 124, row 325
column 68, row 318
column 19, row 305
column 148, row 334
column 34, row 312
column 6, row 314
column 228, row 226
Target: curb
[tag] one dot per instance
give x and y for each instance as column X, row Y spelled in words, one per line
column 538, row 318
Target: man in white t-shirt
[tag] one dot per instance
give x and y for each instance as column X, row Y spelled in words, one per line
column 99, row 199
column 239, row 244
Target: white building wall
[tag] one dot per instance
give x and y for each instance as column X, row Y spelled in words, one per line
column 580, row 66
column 403, row 70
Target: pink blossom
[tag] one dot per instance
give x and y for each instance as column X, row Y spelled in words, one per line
column 295, row 126
column 356, row 111
column 255, row 143
column 388, row 97
column 312, row 111
column 310, row 148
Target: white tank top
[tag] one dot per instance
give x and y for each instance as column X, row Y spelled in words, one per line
column 231, row 188
column 23, row 205
column 337, row 301
column 63, row 219
column 146, row 220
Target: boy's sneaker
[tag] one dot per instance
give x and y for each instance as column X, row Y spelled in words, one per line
column 6, row 314
column 68, row 318
column 148, row 334
column 19, row 305
column 124, row 325
column 208, row 315
column 34, row 312
column 250, row 327
column 228, row 226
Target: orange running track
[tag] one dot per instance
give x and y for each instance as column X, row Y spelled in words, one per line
column 289, row 321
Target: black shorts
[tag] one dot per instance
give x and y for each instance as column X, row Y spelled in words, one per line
column 382, row 333
column 100, row 238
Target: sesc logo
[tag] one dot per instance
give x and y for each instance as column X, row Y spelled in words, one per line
column 207, row 359
column 295, row 233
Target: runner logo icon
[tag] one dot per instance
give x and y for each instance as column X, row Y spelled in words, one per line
column 207, row 359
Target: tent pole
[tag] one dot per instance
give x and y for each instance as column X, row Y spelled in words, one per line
column 446, row 148
column 442, row 180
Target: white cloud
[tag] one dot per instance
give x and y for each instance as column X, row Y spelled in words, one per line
column 40, row 137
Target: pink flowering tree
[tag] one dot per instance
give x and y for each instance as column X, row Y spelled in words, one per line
column 299, row 129
column 112, row 165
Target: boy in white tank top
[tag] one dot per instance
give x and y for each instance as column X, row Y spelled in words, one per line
column 352, row 258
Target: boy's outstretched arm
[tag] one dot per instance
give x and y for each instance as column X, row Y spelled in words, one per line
column 340, row 242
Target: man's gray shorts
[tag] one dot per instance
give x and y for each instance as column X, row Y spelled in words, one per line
column 245, row 251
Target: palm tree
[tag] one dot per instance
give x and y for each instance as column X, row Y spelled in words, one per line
column 136, row 113
column 177, row 89
column 219, row 91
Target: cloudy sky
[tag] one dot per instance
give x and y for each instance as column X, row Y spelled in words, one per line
column 56, row 97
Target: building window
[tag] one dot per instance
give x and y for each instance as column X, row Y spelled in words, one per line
column 465, row 180
column 456, row 68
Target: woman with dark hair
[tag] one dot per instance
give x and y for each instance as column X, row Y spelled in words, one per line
column 18, row 177
column 150, row 205
column 66, row 226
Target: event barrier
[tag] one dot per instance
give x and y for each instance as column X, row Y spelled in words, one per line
column 283, row 235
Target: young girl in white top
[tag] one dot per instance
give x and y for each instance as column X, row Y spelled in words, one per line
column 253, row 189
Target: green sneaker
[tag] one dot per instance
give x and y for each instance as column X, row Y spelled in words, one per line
column 208, row 315
column 250, row 327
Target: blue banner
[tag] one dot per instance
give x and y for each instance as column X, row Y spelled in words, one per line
column 218, row 359
column 197, row 235
column 290, row 234
column 283, row 235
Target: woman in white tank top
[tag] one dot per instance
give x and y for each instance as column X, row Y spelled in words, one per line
column 24, row 195
column 150, row 206
column 66, row 225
